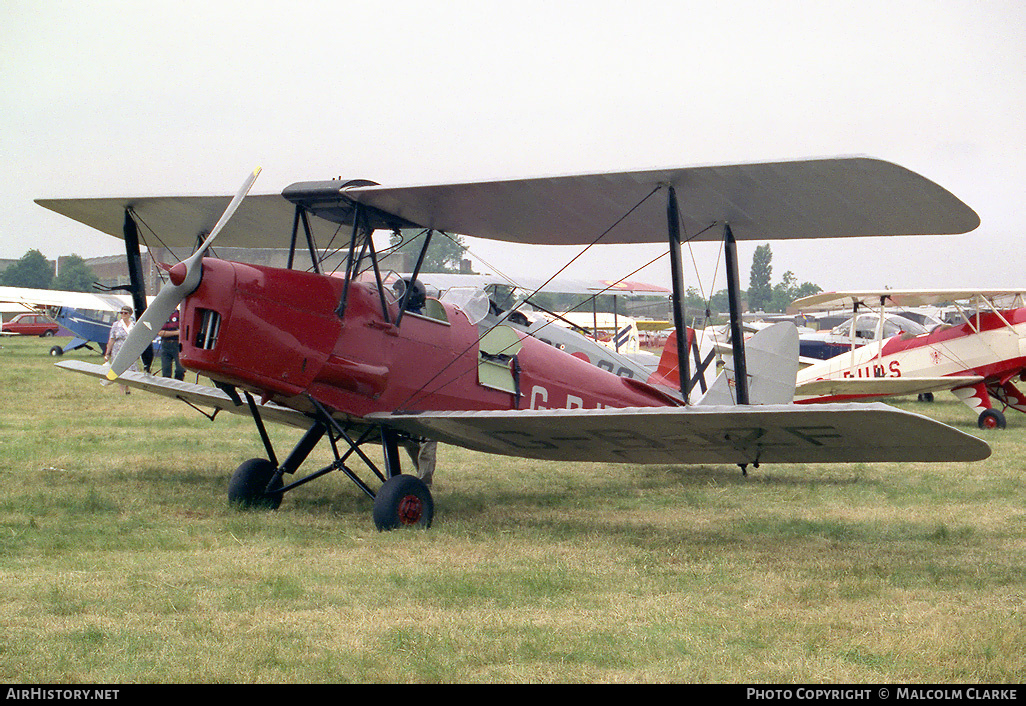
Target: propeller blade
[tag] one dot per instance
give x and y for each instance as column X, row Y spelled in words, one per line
column 171, row 294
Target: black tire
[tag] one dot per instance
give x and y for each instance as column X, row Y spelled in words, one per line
column 926, row 397
column 248, row 485
column 991, row 419
column 56, row 351
column 403, row 501
column 47, row 333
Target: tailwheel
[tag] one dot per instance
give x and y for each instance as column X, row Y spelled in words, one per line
column 991, row 419
column 403, row 501
column 248, row 485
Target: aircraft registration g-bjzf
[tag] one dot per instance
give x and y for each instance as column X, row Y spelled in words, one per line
column 342, row 357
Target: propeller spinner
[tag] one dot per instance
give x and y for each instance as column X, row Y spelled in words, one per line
column 171, row 294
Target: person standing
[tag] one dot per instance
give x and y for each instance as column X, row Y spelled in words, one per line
column 169, row 348
column 118, row 333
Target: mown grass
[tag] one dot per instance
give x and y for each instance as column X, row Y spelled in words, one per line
column 121, row 562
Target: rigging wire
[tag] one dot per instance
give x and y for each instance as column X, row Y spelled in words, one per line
column 418, row 392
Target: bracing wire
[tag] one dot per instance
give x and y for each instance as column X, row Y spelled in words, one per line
column 420, row 390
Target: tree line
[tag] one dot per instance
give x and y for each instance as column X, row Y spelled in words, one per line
column 33, row 270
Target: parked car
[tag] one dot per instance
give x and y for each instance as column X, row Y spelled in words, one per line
column 30, row 325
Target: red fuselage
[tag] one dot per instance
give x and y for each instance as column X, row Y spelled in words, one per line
column 275, row 333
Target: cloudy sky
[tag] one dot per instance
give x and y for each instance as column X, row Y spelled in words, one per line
column 129, row 98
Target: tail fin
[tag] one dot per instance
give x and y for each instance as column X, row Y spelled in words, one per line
column 668, row 372
column 771, row 356
column 703, row 363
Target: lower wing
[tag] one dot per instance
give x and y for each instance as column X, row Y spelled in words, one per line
column 190, row 393
column 879, row 387
column 741, row 434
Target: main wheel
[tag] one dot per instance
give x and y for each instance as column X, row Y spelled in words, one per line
column 248, row 485
column 991, row 419
column 56, row 351
column 403, row 501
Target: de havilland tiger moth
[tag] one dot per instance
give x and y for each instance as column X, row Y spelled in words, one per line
column 342, row 357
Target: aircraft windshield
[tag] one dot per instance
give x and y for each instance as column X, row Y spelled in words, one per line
column 866, row 326
column 472, row 301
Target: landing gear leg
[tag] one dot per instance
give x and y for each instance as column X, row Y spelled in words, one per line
column 402, row 501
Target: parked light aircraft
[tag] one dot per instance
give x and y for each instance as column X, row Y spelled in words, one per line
column 88, row 315
column 978, row 360
column 342, row 358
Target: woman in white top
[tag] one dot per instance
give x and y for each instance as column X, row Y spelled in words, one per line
column 118, row 333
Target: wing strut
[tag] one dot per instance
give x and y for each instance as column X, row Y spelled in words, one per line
column 135, row 277
column 413, row 277
column 677, row 299
column 737, row 336
column 301, row 216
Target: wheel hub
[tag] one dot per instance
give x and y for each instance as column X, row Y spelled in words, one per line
column 410, row 510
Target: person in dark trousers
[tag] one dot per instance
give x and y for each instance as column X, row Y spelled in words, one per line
column 169, row 348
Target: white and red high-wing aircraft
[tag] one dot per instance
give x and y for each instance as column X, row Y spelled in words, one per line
column 978, row 360
column 346, row 359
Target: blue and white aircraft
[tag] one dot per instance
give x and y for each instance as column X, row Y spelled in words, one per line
column 87, row 315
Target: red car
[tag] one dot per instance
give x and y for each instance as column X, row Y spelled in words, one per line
column 30, row 325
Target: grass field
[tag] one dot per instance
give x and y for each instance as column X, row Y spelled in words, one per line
column 121, row 562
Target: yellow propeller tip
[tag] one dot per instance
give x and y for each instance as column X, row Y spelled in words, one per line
column 111, row 375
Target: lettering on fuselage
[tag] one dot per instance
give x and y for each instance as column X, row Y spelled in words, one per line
column 540, row 400
column 606, row 365
column 893, row 370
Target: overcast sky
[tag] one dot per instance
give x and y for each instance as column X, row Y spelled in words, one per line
column 131, row 98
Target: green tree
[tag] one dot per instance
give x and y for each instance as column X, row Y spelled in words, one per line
column 32, row 270
column 75, row 275
column 760, row 291
column 444, row 254
column 788, row 290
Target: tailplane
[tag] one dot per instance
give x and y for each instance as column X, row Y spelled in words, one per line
column 771, row 356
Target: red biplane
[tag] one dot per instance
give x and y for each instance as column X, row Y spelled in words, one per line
column 343, row 358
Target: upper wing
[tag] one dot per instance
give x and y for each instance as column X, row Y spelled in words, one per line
column 756, row 434
column 901, row 298
column 850, row 196
column 198, row 395
column 261, row 220
column 76, row 300
column 822, row 198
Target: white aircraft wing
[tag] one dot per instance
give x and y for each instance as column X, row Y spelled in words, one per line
column 190, row 393
column 822, row 198
column 883, row 386
column 825, row 301
column 690, row 435
column 77, row 300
